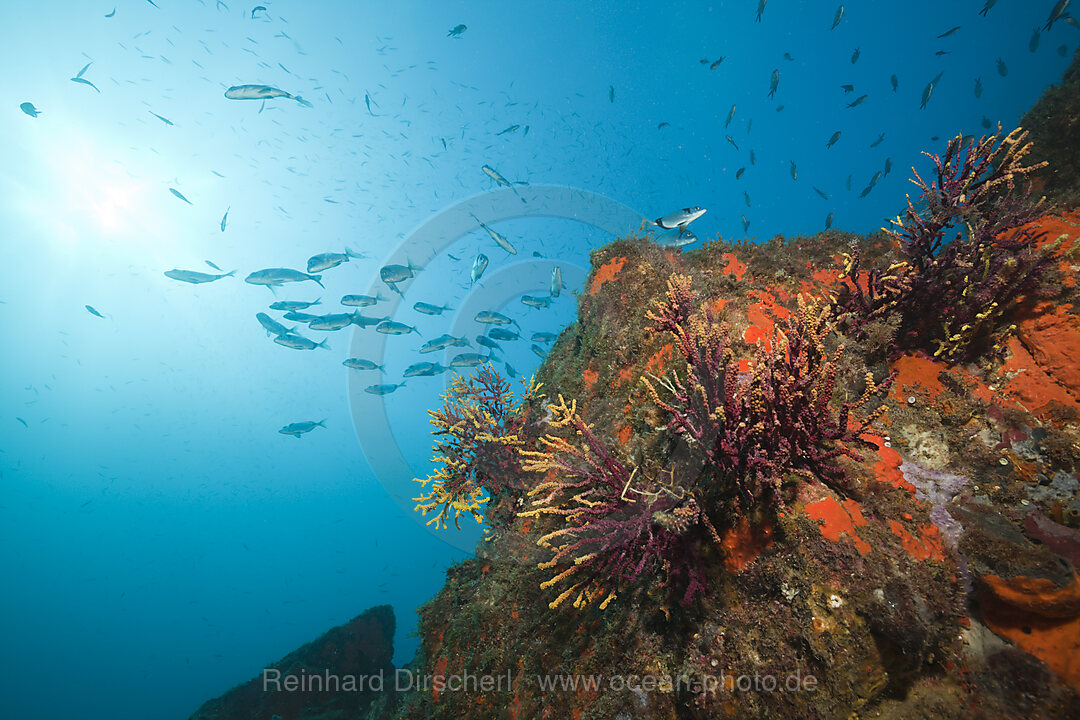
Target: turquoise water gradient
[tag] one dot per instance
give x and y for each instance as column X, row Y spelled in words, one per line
column 160, row 541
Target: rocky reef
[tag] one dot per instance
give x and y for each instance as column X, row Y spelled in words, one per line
column 824, row 477
column 346, row 674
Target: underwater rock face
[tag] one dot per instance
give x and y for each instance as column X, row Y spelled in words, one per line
column 361, row 649
column 935, row 580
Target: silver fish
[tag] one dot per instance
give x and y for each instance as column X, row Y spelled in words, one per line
column 261, row 92
column 680, row 219
column 538, row 351
column 544, row 337
column 478, row 267
column 195, row 278
column 499, row 239
column 503, row 335
column 333, row 321
column 468, row 360
column 360, row 364
column 429, row 309
column 180, row 195
column 1056, row 13
column 29, row 109
column 556, row 282
column 837, row 17
column 423, row 369
column 325, row 261
column 299, row 342
column 535, row 302
column 292, row 305
column 393, row 274
column 489, row 317
column 444, row 341
column 485, row 341
column 297, row 429
column 494, row 175
column 224, row 218
column 275, row 277
column 303, row 317
column 363, row 321
column 383, row 389
column 390, row 327
column 774, row 82
column 360, row 300
column 272, row 326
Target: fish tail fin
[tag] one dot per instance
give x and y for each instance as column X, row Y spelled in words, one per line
column 414, row 268
column 417, row 331
column 271, row 288
column 229, row 274
column 318, row 279
column 322, row 423
column 446, row 307
column 323, row 344
column 354, row 254
column 301, row 100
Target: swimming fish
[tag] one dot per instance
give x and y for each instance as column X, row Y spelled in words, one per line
column 213, row 265
column 836, row 18
column 393, row 274
column 535, row 302
column 730, row 115
column 1056, row 13
column 855, row 56
column 29, row 109
column 948, row 32
column 680, row 218
column 794, row 171
column 986, row 8
column 478, row 267
column 822, row 193
column 538, row 351
column 555, row 288
column 544, row 337
column 165, row 120
column 112, row 13
column 716, row 64
column 732, row 141
column 288, row 305
column 774, row 82
column 180, row 195
column 499, row 179
column 224, row 218
column 468, row 360
column 257, row 8
column 760, row 9
column 195, row 278
column 444, row 341
column 894, row 81
column 360, row 364
column 297, row 429
column 456, row 31
column 503, row 334
column 487, row 342
column 261, row 92
column 739, row 173
column 363, row 321
column 325, row 261
column 500, row 240
column 274, row 277
column 84, row 81
column 1002, row 68
column 423, row 369
column 429, row 309
column 390, row 327
column 745, row 223
column 611, row 93
column 828, row 221
column 847, row 88
column 832, row 140
column 383, row 389
column 510, row 129
column 90, row 309
column 332, row 321
column 299, row 342
column 360, row 300
column 879, row 140
column 272, row 326
column 490, row 317
column 1033, row 43
column 857, row 101
column 978, row 87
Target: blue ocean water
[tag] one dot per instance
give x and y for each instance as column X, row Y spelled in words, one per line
column 160, row 540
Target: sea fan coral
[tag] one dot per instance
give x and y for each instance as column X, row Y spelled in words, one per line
column 480, row 423
column 619, row 524
column 753, row 429
column 949, row 294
